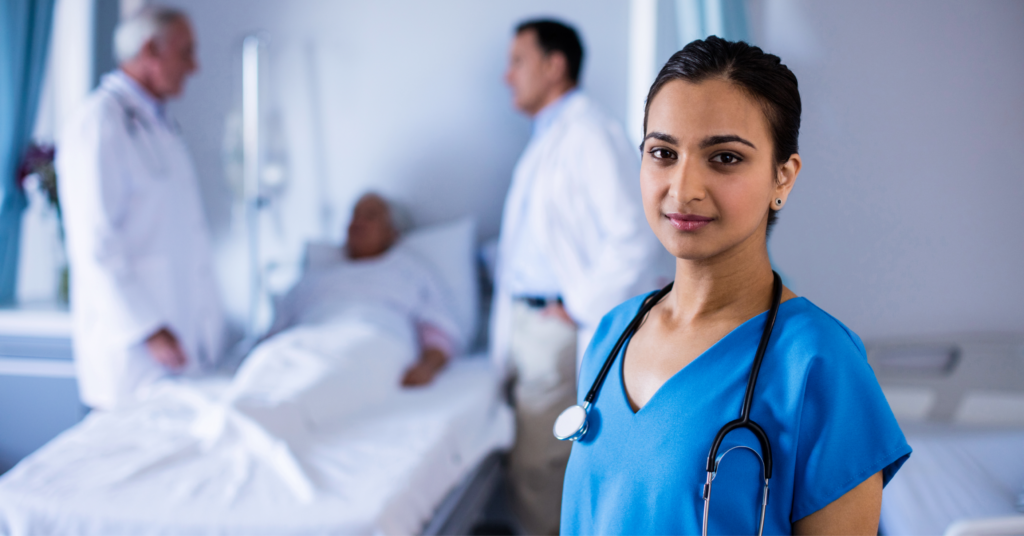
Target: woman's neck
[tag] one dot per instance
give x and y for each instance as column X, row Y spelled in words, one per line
column 736, row 283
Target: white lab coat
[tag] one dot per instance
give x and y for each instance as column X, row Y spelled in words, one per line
column 584, row 175
column 138, row 246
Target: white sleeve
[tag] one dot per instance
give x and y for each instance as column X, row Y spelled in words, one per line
column 603, row 171
column 96, row 198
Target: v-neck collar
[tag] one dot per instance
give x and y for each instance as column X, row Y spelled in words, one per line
column 702, row 360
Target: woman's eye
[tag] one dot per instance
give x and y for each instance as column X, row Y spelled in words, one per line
column 726, row 158
column 660, row 153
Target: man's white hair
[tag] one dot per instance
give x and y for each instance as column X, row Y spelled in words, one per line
column 134, row 31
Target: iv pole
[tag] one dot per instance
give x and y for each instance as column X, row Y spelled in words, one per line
column 251, row 164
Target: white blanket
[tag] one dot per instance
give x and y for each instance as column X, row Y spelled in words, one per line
column 312, row 435
column 311, row 376
column 153, row 469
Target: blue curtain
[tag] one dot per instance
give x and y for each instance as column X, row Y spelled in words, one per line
column 699, row 19
column 24, row 37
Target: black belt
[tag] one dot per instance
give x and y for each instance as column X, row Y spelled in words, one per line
column 539, row 302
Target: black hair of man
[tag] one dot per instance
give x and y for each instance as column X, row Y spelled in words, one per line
column 555, row 36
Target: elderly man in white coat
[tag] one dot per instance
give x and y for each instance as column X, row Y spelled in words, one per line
column 574, row 243
column 145, row 301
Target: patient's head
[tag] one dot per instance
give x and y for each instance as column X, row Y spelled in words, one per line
column 373, row 229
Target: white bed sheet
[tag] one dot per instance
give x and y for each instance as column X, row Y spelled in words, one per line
column 384, row 473
column 956, row 472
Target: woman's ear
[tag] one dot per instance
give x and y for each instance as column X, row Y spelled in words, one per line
column 785, row 177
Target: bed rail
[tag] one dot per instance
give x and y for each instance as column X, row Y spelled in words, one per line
column 463, row 506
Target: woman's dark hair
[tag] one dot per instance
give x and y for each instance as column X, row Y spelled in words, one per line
column 554, row 36
column 761, row 75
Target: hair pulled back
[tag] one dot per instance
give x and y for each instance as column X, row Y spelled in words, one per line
column 763, row 76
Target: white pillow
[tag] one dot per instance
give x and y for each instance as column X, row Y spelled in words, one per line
column 448, row 247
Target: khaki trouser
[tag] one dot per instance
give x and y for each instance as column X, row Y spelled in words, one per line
column 543, row 355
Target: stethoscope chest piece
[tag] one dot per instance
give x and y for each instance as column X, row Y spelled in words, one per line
column 571, row 425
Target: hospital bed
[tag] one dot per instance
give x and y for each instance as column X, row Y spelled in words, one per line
column 137, row 472
column 421, row 462
column 960, row 402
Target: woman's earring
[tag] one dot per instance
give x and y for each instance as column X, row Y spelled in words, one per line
column 778, row 202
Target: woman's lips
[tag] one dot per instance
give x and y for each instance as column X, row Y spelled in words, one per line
column 688, row 222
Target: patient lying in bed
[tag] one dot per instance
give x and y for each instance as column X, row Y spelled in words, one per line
column 314, row 434
column 378, row 275
column 348, row 335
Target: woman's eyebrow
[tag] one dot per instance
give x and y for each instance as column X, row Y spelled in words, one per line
column 718, row 140
column 667, row 138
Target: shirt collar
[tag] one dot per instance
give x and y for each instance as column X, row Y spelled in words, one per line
column 545, row 118
column 157, row 107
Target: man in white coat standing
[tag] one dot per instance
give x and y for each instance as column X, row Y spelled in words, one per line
column 145, row 301
column 574, row 243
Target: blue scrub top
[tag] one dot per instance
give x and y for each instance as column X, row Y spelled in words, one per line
column 817, row 399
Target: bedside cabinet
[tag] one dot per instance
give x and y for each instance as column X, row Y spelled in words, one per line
column 38, row 389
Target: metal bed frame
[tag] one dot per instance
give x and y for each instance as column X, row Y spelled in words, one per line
column 465, row 505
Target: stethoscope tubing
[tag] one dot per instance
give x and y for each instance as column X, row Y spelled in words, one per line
column 654, row 299
column 634, row 324
column 131, row 113
column 744, row 420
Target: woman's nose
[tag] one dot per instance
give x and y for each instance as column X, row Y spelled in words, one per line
column 687, row 181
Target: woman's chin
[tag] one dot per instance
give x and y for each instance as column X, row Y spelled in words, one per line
column 688, row 247
column 705, row 246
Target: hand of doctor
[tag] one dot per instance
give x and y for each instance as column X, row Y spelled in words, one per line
column 164, row 347
column 558, row 311
column 431, row 362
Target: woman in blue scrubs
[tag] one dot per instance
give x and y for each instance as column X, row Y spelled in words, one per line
column 719, row 161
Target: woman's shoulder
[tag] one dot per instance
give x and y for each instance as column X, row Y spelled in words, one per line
column 810, row 331
column 624, row 312
column 614, row 323
column 833, row 399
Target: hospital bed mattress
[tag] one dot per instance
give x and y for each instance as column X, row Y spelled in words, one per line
column 143, row 472
column 958, row 473
column 960, row 402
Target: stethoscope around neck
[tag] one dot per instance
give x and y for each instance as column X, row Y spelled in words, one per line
column 132, row 116
column 133, row 119
column 572, row 424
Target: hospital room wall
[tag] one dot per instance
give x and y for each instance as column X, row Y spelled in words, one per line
column 907, row 218
column 403, row 97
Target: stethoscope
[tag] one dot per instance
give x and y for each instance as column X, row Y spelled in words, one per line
column 572, row 424
column 132, row 117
